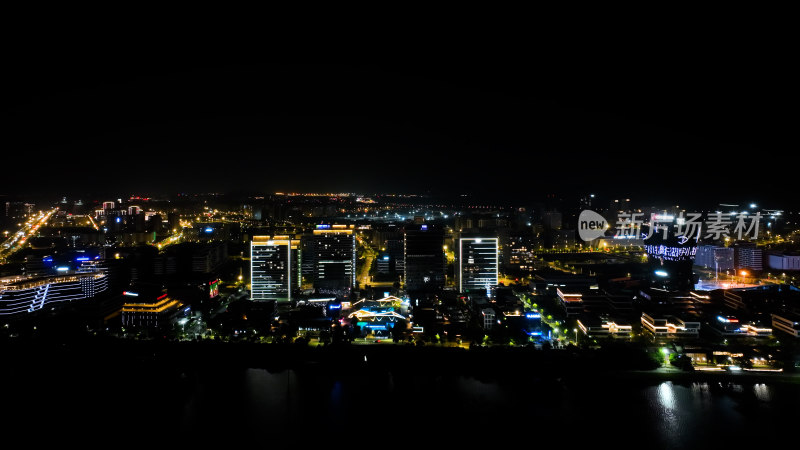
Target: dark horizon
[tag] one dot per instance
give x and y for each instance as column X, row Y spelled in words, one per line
column 158, row 127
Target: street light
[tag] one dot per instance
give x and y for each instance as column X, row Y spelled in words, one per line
column 576, row 335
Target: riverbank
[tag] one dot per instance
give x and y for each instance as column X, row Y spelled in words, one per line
column 491, row 363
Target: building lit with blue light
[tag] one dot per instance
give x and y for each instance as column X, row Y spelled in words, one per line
column 378, row 316
column 670, row 257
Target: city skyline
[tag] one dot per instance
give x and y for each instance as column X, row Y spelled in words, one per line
column 449, row 247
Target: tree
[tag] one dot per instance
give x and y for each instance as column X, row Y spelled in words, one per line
column 399, row 330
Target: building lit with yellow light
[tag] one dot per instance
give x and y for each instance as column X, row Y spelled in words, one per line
column 142, row 310
column 602, row 326
column 669, row 326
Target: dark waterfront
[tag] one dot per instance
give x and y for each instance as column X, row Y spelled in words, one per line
column 666, row 414
column 142, row 399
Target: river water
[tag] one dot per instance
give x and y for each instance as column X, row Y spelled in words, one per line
column 377, row 406
column 464, row 409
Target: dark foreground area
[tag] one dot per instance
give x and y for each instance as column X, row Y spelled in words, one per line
column 208, row 394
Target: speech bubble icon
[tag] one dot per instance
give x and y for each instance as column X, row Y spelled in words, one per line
column 591, row 225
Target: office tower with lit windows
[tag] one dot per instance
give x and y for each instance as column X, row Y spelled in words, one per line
column 334, row 254
column 477, row 264
column 424, row 258
column 748, row 256
column 274, row 268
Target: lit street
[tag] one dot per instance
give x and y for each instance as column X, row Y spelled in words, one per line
column 28, row 230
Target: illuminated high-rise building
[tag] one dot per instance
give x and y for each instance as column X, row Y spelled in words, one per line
column 670, row 257
column 274, row 267
column 477, row 264
column 334, row 254
column 424, row 258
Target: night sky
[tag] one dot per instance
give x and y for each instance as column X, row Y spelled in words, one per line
column 653, row 123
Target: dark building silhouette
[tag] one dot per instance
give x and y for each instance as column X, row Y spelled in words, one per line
column 333, row 251
column 424, row 258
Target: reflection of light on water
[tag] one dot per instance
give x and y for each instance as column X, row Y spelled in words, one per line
column 762, row 392
column 666, row 396
column 701, row 395
column 666, row 400
column 700, row 389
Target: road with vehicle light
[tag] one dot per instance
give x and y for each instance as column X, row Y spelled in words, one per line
column 29, row 229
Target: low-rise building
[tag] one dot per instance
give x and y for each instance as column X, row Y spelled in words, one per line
column 602, row 326
column 784, row 262
column 788, row 322
column 731, row 326
column 571, row 302
column 669, row 326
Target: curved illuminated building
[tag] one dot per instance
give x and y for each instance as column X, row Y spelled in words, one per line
column 670, row 258
column 23, row 295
